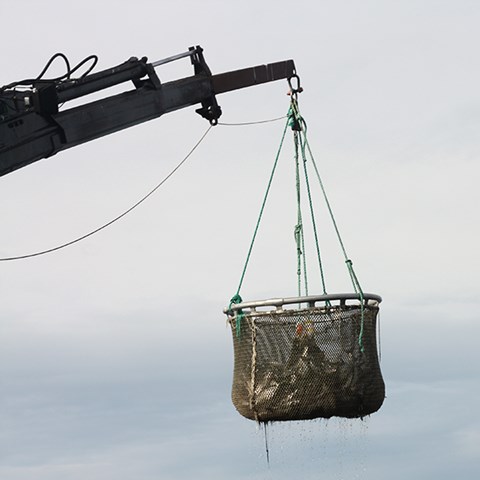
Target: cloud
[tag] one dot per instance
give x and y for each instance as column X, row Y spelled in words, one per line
column 115, row 362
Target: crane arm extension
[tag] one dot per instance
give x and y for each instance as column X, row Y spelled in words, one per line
column 37, row 129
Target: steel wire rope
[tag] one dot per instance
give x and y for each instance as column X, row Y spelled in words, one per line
column 258, row 122
column 118, row 217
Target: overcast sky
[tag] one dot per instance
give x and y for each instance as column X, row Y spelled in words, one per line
column 115, row 361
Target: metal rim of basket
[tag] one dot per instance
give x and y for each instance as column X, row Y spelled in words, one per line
column 369, row 299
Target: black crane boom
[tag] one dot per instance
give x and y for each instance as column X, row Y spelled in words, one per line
column 33, row 125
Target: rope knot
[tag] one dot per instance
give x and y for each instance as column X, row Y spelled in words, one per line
column 294, row 119
column 236, row 299
column 298, row 229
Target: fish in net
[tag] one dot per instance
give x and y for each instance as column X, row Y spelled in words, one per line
column 299, row 364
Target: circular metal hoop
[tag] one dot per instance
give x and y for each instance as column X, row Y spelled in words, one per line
column 309, row 301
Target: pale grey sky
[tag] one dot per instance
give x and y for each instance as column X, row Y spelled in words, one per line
column 115, row 362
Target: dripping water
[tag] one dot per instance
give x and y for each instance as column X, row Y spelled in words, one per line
column 265, row 434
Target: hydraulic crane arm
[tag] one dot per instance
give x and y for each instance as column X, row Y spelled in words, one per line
column 33, row 127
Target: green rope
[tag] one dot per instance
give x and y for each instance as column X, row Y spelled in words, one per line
column 327, row 202
column 261, row 210
column 237, row 298
column 299, row 236
column 312, row 215
column 297, row 123
column 353, row 276
column 358, row 289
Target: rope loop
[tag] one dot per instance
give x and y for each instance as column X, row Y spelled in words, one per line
column 236, row 299
column 298, row 230
column 293, row 120
column 296, row 120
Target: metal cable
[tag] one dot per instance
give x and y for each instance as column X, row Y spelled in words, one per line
column 89, row 234
column 241, row 124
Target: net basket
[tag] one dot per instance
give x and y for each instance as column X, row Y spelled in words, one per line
column 318, row 359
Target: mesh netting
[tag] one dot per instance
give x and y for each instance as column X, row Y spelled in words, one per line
column 307, row 363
